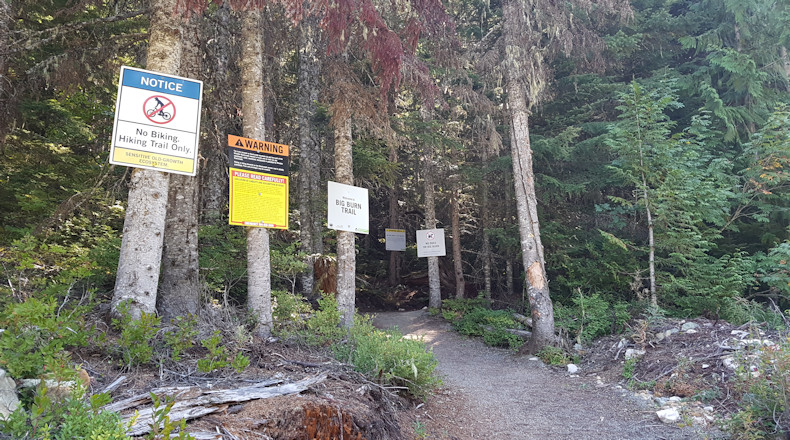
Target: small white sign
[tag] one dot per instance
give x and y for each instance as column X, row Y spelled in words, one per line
column 347, row 208
column 430, row 243
column 395, row 239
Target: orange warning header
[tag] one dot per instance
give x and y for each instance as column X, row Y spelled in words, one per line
column 257, row 146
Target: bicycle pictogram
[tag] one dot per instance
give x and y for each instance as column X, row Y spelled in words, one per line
column 159, row 109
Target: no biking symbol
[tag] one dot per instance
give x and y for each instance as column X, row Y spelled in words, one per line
column 159, row 109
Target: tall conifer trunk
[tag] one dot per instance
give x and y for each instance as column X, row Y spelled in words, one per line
column 140, row 258
column 309, row 147
column 524, row 183
column 346, row 255
column 258, row 260
column 179, row 290
column 5, row 41
column 394, row 216
column 455, row 224
column 485, row 248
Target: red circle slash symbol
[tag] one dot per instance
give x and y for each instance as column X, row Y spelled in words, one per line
column 159, row 110
column 430, row 235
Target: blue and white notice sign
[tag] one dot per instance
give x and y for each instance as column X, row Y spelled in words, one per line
column 157, row 121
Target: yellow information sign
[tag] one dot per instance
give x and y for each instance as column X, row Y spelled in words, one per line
column 258, row 199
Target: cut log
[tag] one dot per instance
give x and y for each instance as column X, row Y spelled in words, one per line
column 215, row 400
column 523, row 319
column 520, row 333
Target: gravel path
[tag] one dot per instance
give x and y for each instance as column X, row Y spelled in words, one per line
column 492, row 394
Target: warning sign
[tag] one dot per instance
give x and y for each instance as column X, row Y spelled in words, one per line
column 258, row 183
column 147, row 132
column 261, row 156
column 430, row 243
column 258, row 200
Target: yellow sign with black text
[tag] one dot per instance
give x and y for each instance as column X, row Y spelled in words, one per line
column 258, row 199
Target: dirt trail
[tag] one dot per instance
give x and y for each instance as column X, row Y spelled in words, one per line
column 492, row 394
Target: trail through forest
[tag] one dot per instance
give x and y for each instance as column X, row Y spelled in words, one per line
column 490, row 393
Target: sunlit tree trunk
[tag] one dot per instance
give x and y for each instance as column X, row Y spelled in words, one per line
column 434, row 282
column 346, row 255
column 524, row 182
column 144, row 225
column 485, row 219
column 309, row 147
column 179, row 289
column 455, row 224
column 259, row 287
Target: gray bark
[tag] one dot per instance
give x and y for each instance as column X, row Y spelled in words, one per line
column 523, row 177
column 458, row 263
column 144, row 225
column 259, row 287
column 394, row 216
column 214, row 167
column 346, row 255
column 309, row 148
column 179, row 290
column 5, row 89
column 485, row 248
column 434, row 282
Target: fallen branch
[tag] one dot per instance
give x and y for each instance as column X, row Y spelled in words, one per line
column 520, row 333
column 523, row 319
column 216, row 400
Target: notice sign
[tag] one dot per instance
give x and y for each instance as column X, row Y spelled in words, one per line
column 157, row 122
column 258, row 183
column 430, row 243
column 347, row 208
column 395, row 239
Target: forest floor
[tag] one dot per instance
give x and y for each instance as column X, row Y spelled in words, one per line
column 487, row 393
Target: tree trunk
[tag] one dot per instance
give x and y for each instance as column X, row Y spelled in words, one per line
column 5, row 41
column 434, row 282
column 394, row 215
column 650, row 240
column 179, row 291
column 785, row 62
column 509, row 277
column 346, row 255
column 455, row 221
column 259, row 288
column 485, row 248
column 309, row 148
column 144, row 225
column 214, row 170
column 523, row 177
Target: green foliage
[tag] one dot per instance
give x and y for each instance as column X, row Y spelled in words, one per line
column 221, row 249
column 183, row 337
column 287, row 262
column 161, row 426
column 137, row 335
column 765, row 402
column 386, row 356
column 591, row 316
column 323, row 328
column 64, row 418
column 553, row 356
column 217, row 357
column 36, row 338
column 289, row 311
column 629, row 367
column 472, row 317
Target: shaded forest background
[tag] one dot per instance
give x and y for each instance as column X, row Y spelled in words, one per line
column 676, row 110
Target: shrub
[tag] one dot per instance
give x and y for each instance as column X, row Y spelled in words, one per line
column 765, row 403
column 136, row 341
column 323, row 327
column 389, row 357
column 183, row 337
column 288, row 312
column 36, row 338
column 64, row 419
column 553, row 356
column 491, row 325
column 591, row 317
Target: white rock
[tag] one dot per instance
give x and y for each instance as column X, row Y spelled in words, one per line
column 671, row 332
column 669, row 415
column 704, row 366
column 730, row 363
column 740, row 333
column 690, row 331
column 675, row 399
column 689, row 326
column 622, row 343
column 632, row 353
column 534, row 359
column 573, row 369
column 660, row 337
column 578, row 347
column 708, row 408
column 9, row 401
